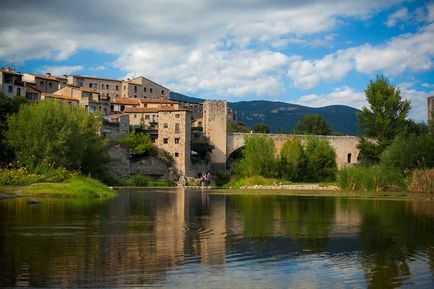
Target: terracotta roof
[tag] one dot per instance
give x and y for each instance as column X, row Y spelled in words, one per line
column 92, row 77
column 60, row 96
column 157, row 100
column 87, row 89
column 5, row 70
column 125, row 100
column 118, row 115
column 141, row 110
column 44, row 76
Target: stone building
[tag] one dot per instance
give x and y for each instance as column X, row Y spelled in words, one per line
column 45, row 83
column 73, row 101
column 141, row 87
column 105, row 86
column 89, row 98
column 11, row 83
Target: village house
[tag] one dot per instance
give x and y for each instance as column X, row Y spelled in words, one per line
column 11, row 83
column 141, row 87
column 45, row 83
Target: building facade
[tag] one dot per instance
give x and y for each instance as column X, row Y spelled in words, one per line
column 11, row 83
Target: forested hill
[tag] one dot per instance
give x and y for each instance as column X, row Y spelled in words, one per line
column 283, row 116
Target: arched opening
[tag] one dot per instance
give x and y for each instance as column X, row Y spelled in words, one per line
column 349, row 158
column 233, row 157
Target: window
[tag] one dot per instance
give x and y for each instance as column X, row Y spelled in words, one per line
column 144, row 89
column 90, row 85
column 147, row 116
column 162, row 92
column 102, row 86
column 349, row 158
column 125, row 87
column 150, row 90
column 177, row 140
column 135, row 115
column 165, row 125
column 166, row 140
column 135, row 89
column 10, row 88
column 18, row 91
column 106, row 86
column 112, row 107
column 80, row 83
column 95, row 85
column 41, row 82
column 135, row 96
column 177, row 127
column 50, row 85
column 176, row 155
column 177, row 115
column 122, row 107
column 117, row 87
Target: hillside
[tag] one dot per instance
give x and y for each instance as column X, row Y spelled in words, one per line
column 283, row 116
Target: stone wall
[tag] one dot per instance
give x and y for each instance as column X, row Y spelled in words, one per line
column 123, row 167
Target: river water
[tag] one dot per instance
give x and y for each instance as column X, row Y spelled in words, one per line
column 176, row 238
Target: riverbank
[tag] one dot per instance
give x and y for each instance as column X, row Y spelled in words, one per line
column 76, row 187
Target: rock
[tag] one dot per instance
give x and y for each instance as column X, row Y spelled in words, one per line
column 32, row 202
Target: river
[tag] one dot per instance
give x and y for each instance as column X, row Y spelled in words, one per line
column 177, row 238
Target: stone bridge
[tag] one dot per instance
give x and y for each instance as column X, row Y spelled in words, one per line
column 215, row 117
column 345, row 146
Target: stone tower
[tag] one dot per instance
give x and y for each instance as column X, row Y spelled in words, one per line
column 214, row 125
column 430, row 109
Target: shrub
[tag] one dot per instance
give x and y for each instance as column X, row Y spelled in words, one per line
column 139, row 143
column 292, row 160
column 237, row 182
column 143, row 181
column 321, row 160
column 372, row 179
column 409, row 153
column 422, row 181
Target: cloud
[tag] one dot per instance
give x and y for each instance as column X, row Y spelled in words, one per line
column 400, row 15
column 413, row 52
column 61, row 70
column 347, row 96
column 343, row 96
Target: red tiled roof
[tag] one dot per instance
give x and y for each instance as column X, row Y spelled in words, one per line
column 60, row 96
column 157, row 100
column 125, row 100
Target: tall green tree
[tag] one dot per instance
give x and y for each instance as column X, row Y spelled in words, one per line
column 261, row 128
column 52, row 133
column 258, row 157
column 383, row 119
column 321, row 160
column 292, row 160
column 313, row 124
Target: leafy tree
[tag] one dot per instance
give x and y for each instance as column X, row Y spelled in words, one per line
column 321, row 160
column 237, row 126
column 8, row 106
column 139, row 143
column 261, row 128
column 258, row 157
column 415, row 151
column 292, row 160
column 313, row 124
column 384, row 119
column 53, row 134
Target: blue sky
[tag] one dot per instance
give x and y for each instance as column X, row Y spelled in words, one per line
column 310, row 52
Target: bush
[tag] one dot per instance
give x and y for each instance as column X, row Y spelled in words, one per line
column 321, row 160
column 258, row 158
column 372, row 179
column 21, row 176
column 292, row 160
column 410, row 153
column 237, row 182
column 143, row 181
column 422, row 181
column 52, row 132
column 139, row 143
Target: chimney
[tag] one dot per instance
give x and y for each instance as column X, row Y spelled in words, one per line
column 48, row 74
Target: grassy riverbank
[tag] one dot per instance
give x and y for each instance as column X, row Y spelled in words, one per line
column 55, row 183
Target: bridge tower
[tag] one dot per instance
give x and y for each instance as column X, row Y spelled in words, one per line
column 430, row 108
column 215, row 113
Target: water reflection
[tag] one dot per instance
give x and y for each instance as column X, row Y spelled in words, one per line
column 178, row 238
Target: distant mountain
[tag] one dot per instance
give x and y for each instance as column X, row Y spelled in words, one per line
column 284, row 116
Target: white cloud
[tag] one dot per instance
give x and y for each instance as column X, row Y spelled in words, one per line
column 428, row 85
column 347, row 96
column 412, row 52
column 343, row 96
column 400, row 15
column 61, row 70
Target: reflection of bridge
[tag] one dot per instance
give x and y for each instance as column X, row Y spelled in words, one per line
column 345, row 146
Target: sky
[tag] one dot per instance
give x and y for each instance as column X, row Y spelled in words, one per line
column 310, row 52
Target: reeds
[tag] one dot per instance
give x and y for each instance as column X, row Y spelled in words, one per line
column 422, row 181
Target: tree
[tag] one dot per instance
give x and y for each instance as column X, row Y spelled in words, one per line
column 313, row 124
column 237, row 126
column 8, row 106
column 139, row 143
column 321, row 160
column 261, row 128
column 292, row 160
column 258, row 157
column 53, row 134
column 384, row 119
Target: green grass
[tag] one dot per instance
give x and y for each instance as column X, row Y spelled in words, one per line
column 371, row 179
column 76, row 187
column 146, row 181
column 237, row 182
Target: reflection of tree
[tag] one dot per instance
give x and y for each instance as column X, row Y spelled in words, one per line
column 390, row 234
column 257, row 212
column 308, row 221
